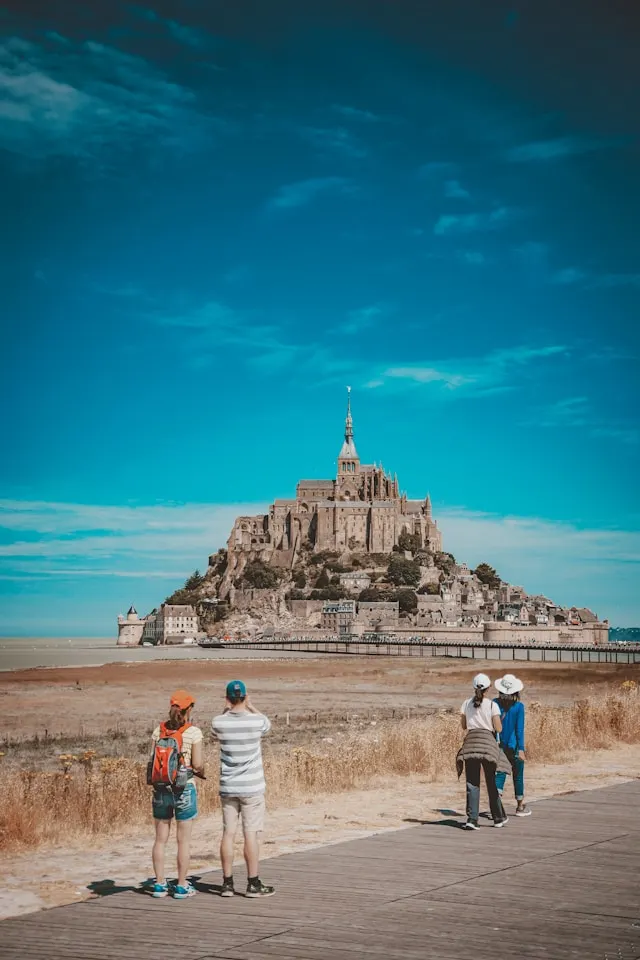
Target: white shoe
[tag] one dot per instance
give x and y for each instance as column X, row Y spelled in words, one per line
column 501, row 823
column 523, row 813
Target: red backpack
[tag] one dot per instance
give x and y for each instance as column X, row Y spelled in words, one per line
column 166, row 758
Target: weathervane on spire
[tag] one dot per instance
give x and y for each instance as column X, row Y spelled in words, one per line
column 349, row 421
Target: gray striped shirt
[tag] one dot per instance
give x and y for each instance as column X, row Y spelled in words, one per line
column 239, row 734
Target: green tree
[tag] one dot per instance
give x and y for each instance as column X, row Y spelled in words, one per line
column 194, row 581
column 409, row 541
column 368, row 595
column 259, row 576
column 295, row 595
column 445, row 562
column 323, row 580
column 300, row 579
column 407, row 601
column 486, row 574
column 402, row 572
column 182, row 596
column 430, row 588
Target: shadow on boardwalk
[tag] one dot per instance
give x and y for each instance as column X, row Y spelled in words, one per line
column 561, row 884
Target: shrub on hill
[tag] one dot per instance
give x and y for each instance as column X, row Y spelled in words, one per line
column 183, row 596
column 487, row 574
column 402, row 572
column 322, row 580
column 328, row 593
column 431, row 588
column 445, row 562
column 324, row 556
column 258, row 576
column 407, row 602
column 300, row 579
column 409, row 541
column 295, row 595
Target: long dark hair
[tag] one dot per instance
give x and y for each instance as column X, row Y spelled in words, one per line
column 478, row 696
column 177, row 717
column 507, row 700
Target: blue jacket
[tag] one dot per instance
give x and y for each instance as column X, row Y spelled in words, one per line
column 512, row 725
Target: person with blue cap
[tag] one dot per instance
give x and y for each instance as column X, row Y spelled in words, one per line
column 239, row 730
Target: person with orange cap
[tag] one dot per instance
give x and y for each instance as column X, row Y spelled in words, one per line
column 177, row 756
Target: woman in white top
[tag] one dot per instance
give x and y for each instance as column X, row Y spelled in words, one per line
column 480, row 719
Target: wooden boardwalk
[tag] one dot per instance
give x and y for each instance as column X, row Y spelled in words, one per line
column 564, row 883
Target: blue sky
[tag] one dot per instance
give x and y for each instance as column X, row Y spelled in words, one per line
column 215, row 216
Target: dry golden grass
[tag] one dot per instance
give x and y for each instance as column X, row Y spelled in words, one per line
column 92, row 796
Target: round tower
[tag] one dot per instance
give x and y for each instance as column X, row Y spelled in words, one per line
column 130, row 629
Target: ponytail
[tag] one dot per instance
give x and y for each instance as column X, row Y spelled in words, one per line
column 478, row 696
column 177, row 717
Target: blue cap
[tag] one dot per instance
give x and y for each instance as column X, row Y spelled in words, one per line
column 236, row 690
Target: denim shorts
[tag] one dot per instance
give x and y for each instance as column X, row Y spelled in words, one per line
column 167, row 804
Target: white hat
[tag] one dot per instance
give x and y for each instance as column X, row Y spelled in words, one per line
column 481, row 680
column 509, row 684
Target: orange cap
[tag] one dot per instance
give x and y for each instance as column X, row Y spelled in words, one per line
column 182, row 699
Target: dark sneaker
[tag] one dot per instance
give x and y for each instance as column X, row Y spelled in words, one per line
column 501, row 823
column 226, row 889
column 259, row 889
column 471, row 825
column 523, row 812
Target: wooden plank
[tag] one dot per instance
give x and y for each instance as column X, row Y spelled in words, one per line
column 557, row 885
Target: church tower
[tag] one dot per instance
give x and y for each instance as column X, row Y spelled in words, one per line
column 348, row 459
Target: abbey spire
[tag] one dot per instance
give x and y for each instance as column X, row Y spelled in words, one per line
column 348, row 460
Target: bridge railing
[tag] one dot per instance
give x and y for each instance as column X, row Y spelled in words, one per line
column 461, row 649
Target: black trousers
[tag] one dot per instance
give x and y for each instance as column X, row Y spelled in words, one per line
column 472, row 772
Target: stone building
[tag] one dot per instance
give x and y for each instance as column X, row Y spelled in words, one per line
column 172, row 620
column 338, row 615
column 355, row 581
column 360, row 511
column 130, row 628
column 379, row 613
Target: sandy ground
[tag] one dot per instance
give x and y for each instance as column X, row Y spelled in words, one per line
column 52, row 876
column 86, row 700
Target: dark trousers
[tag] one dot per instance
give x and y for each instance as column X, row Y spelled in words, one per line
column 517, row 768
column 472, row 773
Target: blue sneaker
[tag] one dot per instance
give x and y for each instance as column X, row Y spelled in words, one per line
column 158, row 889
column 181, row 893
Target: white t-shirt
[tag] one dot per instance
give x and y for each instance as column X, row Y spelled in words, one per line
column 480, row 718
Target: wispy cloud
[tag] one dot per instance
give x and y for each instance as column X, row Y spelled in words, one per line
column 48, row 539
column 438, row 169
column 474, row 257
column 477, row 376
column 453, row 190
column 52, row 541
column 334, row 140
column 573, row 565
column 609, row 281
column 568, row 277
column 555, row 149
column 303, row 192
column 362, row 319
column 577, row 414
column 80, row 99
column 452, row 224
column 354, row 113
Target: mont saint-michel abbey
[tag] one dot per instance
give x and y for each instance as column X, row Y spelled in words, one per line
column 360, row 511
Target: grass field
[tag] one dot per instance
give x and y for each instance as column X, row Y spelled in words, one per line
column 92, row 795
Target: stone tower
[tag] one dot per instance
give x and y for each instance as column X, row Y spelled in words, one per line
column 347, row 480
column 130, row 629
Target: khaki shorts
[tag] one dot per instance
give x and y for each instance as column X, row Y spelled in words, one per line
column 249, row 809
